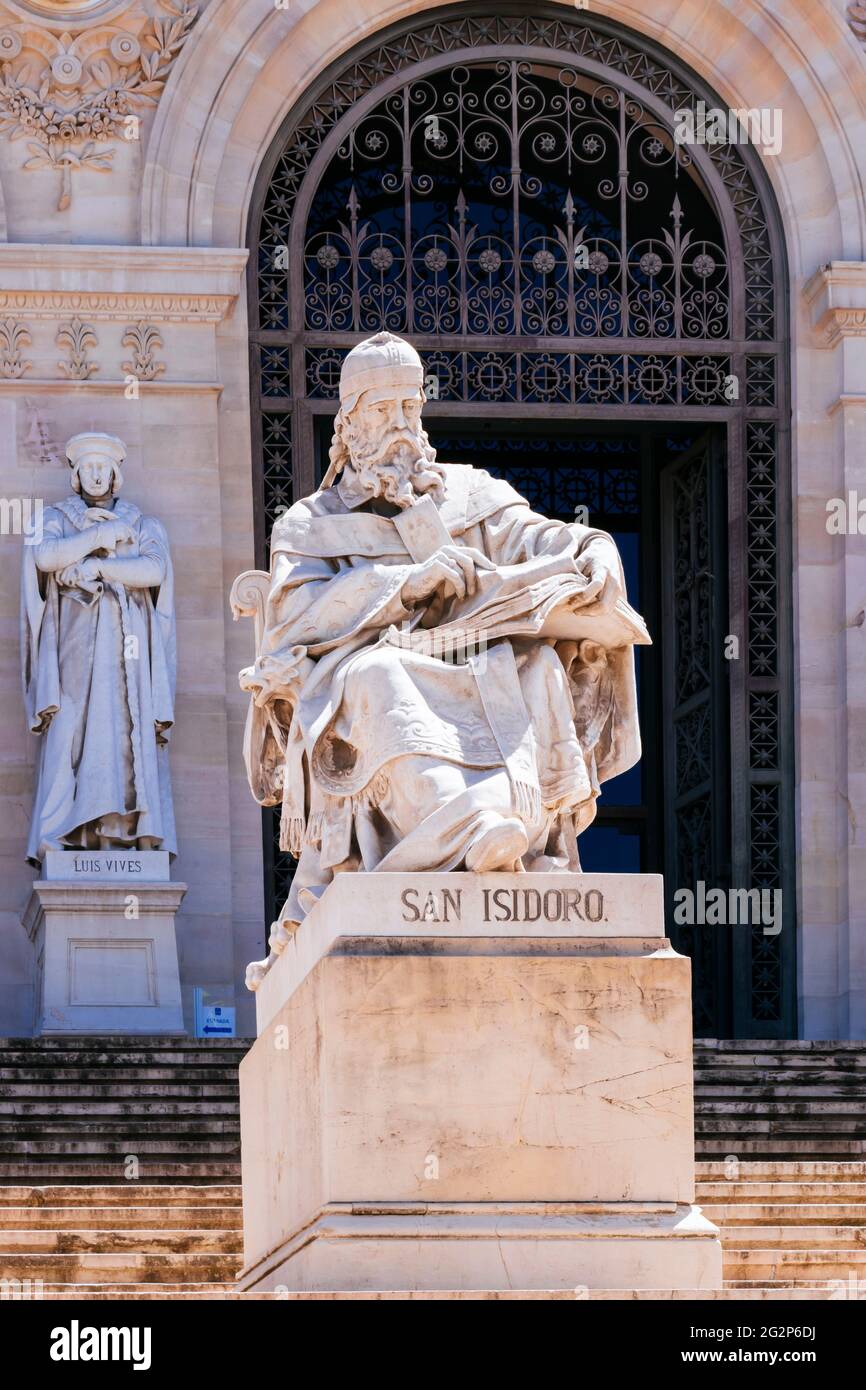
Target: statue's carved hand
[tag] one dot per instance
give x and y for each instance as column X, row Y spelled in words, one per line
column 598, row 562
column 452, row 569
column 85, row 574
column 110, row 534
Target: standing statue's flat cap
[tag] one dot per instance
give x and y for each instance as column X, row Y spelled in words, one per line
column 91, row 442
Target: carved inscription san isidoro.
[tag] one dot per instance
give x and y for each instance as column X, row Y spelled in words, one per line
column 506, row 905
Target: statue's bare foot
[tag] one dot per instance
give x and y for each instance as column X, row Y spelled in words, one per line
column 501, row 846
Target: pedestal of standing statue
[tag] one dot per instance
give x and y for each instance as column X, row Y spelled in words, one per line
column 103, row 925
column 474, row 1082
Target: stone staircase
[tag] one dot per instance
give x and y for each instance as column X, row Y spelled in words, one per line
column 125, row 1110
column 780, row 1138
column 109, row 1241
column 789, row 1225
column 767, row 1100
column 138, row 1141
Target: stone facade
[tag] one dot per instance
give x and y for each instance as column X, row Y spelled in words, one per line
column 134, row 266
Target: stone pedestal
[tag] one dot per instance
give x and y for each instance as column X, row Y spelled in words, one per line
column 103, row 928
column 474, row 1082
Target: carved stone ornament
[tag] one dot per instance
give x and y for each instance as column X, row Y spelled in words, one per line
column 13, row 337
column 71, row 93
column 857, row 19
column 77, row 337
column 144, row 339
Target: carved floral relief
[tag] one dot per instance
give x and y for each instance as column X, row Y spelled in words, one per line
column 71, row 93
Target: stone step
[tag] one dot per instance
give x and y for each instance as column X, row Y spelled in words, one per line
column 780, row 1054
column 724, row 1091
column 802, row 1211
column 789, row 1194
column 191, row 1110
column 217, row 1195
column 144, row 1293
column 779, row 1064
column 784, row 1197
column 155, row 1170
column 843, row 1114
column 843, row 1069
column 94, row 1057
column 131, row 1241
column 113, row 1163
column 779, row 1059
column 117, row 1293
column 785, row 1170
column 715, row 1086
column 109, row 1136
column 844, row 1073
column 846, row 1126
column 778, row 1147
column 788, row 1288
column 114, row 1218
column 794, row 1237
column 792, row 1045
column 64, row 1087
column 111, row 1077
column 122, row 1268
column 48, row 1155
column 815, row 1266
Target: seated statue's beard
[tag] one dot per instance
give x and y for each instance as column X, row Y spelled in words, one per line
column 400, row 469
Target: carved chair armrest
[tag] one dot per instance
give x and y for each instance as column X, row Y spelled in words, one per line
column 248, row 597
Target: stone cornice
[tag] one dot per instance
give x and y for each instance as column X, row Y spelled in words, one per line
column 836, row 296
column 837, row 323
column 167, row 308
column 166, row 284
column 94, row 256
column 99, row 899
column 62, row 386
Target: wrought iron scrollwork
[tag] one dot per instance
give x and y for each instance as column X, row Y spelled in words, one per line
column 519, row 204
column 539, row 378
column 557, row 123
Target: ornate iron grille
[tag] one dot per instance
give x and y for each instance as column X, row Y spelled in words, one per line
column 505, row 188
column 514, row 200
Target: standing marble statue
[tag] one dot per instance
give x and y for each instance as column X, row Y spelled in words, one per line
column 98, row 655
column 444, row 678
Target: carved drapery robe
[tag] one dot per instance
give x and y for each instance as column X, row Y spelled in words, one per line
column 352, row 680
column 99, row 679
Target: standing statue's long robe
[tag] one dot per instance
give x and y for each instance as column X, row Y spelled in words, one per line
column 99, row 676
column 351, row 680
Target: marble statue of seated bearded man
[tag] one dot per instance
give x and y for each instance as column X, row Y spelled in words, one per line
column 428, row 693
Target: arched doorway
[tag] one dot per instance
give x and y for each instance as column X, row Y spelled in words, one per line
column 602, row 314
